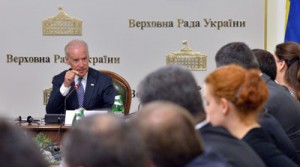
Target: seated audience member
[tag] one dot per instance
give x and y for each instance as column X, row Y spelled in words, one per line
column 169, row 133
column 235, row 102
column 280, row 104
column 17, row 149
column 267, row 65
column 287, row 56
column 103, row 140
column 80, row 86
column 176, row 84
column 266, row 62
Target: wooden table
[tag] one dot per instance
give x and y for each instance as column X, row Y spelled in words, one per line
column 54, row 132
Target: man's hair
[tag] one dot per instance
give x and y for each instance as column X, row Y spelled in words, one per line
column 75, row 43
column 266, row 62
column 18, row 149
column 104, row 140
column 169, row 133
column 175, row 84
column 236, row 53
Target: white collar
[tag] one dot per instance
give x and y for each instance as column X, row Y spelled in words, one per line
column 201, row 124
column 84, row 77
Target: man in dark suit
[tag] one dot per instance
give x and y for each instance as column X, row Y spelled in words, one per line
column 281, row 105
column 80, row 86
column 178, row 85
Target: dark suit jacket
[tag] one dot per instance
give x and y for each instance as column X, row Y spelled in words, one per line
column 210, row 158
column 286, row 109
column 264, row 147
column 234, row 151
column 278, row 136
column 99, row 93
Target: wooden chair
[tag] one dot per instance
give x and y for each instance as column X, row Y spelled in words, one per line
column 123, row 88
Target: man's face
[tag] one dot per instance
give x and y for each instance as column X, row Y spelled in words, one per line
column 78, row 60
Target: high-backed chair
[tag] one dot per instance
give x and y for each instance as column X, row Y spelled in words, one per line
column 123, row 88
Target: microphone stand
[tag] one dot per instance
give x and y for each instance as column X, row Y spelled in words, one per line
column 67, row 96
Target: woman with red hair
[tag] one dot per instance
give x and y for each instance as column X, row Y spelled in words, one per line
column 234, row 99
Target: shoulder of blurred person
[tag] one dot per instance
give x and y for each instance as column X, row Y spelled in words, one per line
column 209, row 158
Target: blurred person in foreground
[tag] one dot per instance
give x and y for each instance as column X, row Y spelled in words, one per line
column 176, row 84
column 103, row 140
column 18, row 149
column 169, row 133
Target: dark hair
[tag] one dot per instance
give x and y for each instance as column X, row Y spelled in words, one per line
column 290, row 53
column 18, row 149
column 169, row 133
column 175, row 84
column 104, row 140
column 266, row 62
column 236, row 53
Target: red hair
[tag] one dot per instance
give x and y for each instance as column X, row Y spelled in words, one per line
column 244, row 88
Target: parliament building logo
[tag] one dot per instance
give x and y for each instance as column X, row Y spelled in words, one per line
column 194, row 61
column 62, row 25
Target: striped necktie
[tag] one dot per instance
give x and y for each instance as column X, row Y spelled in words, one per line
column 80, row 93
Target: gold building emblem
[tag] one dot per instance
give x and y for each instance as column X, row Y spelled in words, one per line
column 194, row 61
column 62, row 25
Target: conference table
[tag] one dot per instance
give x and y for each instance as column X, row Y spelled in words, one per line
column 54, row 132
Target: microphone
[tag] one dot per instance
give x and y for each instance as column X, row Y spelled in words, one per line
column 67, row 96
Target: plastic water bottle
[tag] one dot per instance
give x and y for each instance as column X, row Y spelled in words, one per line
column 118, row 106
column 77, row 117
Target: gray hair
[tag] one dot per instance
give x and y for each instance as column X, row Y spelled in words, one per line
column 75, row 43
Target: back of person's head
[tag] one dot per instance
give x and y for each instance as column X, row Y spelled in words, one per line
column 18, row 149
column 236, row 53
column 245, row 89
column 175, row 84
column 104, row 140
column 266, row 62
column 290, row 53
column 169, row 133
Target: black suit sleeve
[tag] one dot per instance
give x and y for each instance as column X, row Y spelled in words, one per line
column 109, row 93
column 56, row 101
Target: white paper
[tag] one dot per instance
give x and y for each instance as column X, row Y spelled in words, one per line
column 70, row 114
